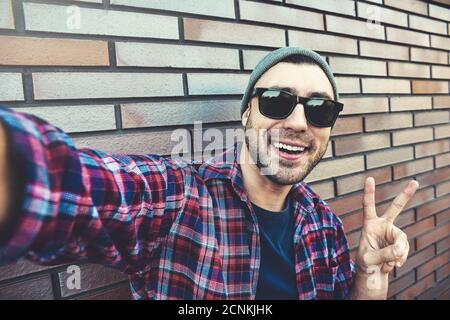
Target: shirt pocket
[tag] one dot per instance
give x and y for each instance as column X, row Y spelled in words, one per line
column 325, row 273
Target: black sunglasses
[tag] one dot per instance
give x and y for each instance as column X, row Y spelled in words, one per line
column 278, row 104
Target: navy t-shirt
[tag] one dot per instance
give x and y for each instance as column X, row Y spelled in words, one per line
column 277, row 270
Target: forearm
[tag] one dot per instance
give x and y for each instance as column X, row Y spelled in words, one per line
column 373, row 286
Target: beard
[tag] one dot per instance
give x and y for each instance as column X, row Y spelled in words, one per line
column 274, row 167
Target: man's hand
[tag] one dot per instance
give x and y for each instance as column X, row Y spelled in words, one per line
column 4, row 176
column 382, row 245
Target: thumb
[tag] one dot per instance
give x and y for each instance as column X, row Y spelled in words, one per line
column 387, row 254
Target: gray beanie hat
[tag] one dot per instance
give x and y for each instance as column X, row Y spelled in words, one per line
column 276, row 56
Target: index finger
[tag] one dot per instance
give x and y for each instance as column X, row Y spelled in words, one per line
column 400, row 201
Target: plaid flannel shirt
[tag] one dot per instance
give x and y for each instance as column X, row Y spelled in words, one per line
column 178, row 229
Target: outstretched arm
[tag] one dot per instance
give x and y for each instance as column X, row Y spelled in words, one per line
column 82, row 204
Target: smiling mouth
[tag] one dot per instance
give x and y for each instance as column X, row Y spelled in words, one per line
column 288, row 151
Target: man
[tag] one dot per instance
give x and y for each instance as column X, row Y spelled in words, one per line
column 248, row 228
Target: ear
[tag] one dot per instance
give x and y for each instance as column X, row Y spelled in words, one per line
column 246, row 115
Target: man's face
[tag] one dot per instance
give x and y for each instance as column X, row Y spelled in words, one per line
column 305, row 80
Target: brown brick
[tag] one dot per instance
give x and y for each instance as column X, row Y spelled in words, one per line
column 443, row 189
column 411, row 168
column 323, row 42
column 352, row 221
column 424, row 86
column 442, row 160
column 433, row 177
column 354, row 144
column 419, row 228
column 417, row 288
column 385, row 157
column 388, row 121
column 400, row 284
column 420, row 197
column 29, row 289
column 324, row 189
column 440, row 42
column 353, row 239
column 405, row 218
column 379, row 85
column 357, row 66
column 225, row 32
column 92, row 277
column 443, row 273
column 389, row 191
column 355, row 182
column 431, row 148
column 436, row 291
column 426, row 24
column 431, row 117
column 409, row 136
column 408, row 5
column 121, row 293
column 347, row 125
column 433, row 207
column 415, row 260
column 383, row 50
column 443, row 245
column 433, row 236
column 440, row 72
column 410, row 103
column 409, row 70
column 443, row 217
column 346, row 204
column 336, row 167
column 407, row 36
column 441, row 102
column 442, row 131
column 52, row 52
column 364, row 105
column 428, row 55
column 348, row 85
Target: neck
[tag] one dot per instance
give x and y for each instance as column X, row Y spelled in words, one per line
column 260, row 189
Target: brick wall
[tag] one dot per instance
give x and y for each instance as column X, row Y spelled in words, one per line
column 132, row 71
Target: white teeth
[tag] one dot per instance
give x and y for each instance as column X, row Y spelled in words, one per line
column 287, row 147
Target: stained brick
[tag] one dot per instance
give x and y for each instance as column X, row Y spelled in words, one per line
column 383, row 50
column 355, row 182
column 431, row 117
column 83, row 85
column 6, row 15
column 336, row 167
column 378, row 85
column 217, row 8
column 358, row 66
column 76, row 118
column 225, row 32
column 407, row 36
column 431, row 148
column 385, row 15
column 138, row 115
column 344, row 6
column 412, row 168
column 426, row 24
column 347, row 126
column 54, row 18
column 253, row 11
column 365, row 105
column 410, row 136
column 388, row 121
column 409, row 70
column 175, row 56
column 385, row 157
column 216, row 83
column 348, row 145
column 410, row 103
column 52, row 52
column 423, row 86
column 323, row 42
column 354, row 27
column 428, row 55
column 11, row 87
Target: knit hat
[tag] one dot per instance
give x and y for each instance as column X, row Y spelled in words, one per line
column 276, row 56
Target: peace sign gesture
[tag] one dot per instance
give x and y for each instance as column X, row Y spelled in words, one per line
column 382, row 245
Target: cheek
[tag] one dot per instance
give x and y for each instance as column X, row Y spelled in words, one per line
column 321, row 135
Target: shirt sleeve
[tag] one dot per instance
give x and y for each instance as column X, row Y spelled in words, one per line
column 83, row 204
column 346, row 267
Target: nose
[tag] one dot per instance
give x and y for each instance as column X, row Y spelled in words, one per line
column 297, row 119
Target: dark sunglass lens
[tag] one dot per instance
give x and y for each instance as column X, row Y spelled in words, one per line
column 320, row 112
column 275, row 104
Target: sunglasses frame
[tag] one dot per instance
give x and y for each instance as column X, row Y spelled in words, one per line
column 298, row 99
